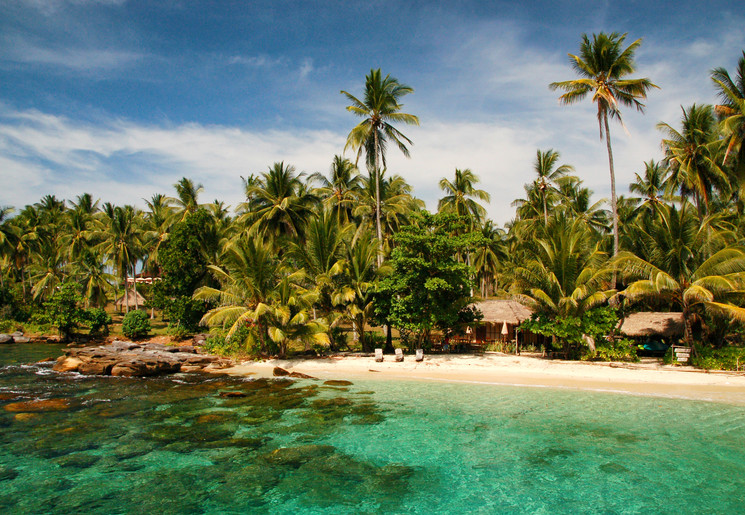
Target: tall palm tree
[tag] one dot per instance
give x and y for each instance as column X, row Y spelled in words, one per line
column 489, row 255
column 547, row 178
column 693, row 155
column 379, row 108
column 650, row 188
column 732, row 110
column 461, row 197
column 603, row 66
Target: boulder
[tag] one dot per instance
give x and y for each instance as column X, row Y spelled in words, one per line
column 6, row 338
column 21, row 339
column 67, row 364
column 119, row 345
column 97, row 368
column 189, row 349
column 300, row 375
column 129, row 369
column 16, row 334
column 38, row 405
column 280, row 372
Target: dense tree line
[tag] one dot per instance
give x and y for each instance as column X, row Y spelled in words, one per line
column 306, row 257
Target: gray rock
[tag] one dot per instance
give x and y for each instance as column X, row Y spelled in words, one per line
column 6, row 338
column 21, row 339
column 16, row 334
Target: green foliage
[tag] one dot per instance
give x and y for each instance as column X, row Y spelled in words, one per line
column 429, row 287
column 596, row 323
column 727, row 358
column 615, row 350
column 63, row 310
column 136, row 324
column 98, row 320
column 177, row 333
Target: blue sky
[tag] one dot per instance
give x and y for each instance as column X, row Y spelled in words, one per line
column 122, row 98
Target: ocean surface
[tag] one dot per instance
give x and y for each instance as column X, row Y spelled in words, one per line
column 195, row 444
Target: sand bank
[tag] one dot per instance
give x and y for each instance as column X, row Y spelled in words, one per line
column 495, row 368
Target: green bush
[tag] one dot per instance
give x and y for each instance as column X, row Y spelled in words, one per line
column 178, row 332
column 63, row 310
column 98, row 321
column 136, row 324
column 617, row 350
column 726, row 358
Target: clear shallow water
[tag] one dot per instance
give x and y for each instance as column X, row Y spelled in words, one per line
column 176, row 446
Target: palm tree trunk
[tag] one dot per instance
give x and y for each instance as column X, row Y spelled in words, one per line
column 377, row 201
column 545, row 210
column 126, row 293
column 614, row 202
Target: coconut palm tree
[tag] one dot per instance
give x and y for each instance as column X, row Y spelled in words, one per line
column 341, row 191
column 121, row 242
column 548, row 177
column 693, row 156
column 279, row 205
column 604, row 66
column 461, row 197
column 489, row 255
column 187, row 196
column 691, row 265
column 732, row 110
column 564, row 273
column 380, row 107
column 650, row 188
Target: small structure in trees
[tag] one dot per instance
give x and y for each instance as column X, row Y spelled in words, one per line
column 668, row 325
column 131, row 299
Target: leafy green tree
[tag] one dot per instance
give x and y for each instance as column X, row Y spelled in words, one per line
column 604, row 66
column 63, row 310
column 380, row 107
column 183, row 268
column 428, row 287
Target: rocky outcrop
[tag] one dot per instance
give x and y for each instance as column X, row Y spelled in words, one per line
column 16, row 337
column 129, row 359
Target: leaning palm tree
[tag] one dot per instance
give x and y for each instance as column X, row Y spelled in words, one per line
column 379, row 108
column 603, row 66
column 691, row 266
column 732, row 110
column 461, row 197
column 547, row 178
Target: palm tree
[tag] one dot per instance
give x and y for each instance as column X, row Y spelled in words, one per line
column 650, row 188
column 278, row 204
column 379, row 108
column 121, row 242
column 564, row 274
column 489, row 255
column 460, row 197
column 342, row 190
column 187, row 194
column 732, row 109
column 692, row 155
column 690, row 265
column 603, row 67
column 547, row 178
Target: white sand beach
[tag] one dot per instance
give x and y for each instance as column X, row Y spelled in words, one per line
column 646, row 378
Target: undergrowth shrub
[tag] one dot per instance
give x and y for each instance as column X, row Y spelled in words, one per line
column 136, row 324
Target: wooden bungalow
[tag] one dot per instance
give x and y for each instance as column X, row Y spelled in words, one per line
column 643, row 325
column 501, row 321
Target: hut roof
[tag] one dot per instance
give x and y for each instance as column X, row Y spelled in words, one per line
column 500, row 311
column 129, row 298
column 653, row 324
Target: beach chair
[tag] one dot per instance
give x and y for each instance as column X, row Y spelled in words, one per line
column 399, row 355
column 419, row 355
column 378, row 355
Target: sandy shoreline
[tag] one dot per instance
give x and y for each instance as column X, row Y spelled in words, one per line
column 494, row 368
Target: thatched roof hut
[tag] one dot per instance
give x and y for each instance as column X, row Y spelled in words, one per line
column 666, row 324
column 129, row 300
column 500, row 311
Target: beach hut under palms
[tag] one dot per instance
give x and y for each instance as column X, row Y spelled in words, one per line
column 648, row 324
column 132, row 299
column 502, row 317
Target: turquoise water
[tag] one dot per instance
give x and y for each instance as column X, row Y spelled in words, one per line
column 117, row 445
